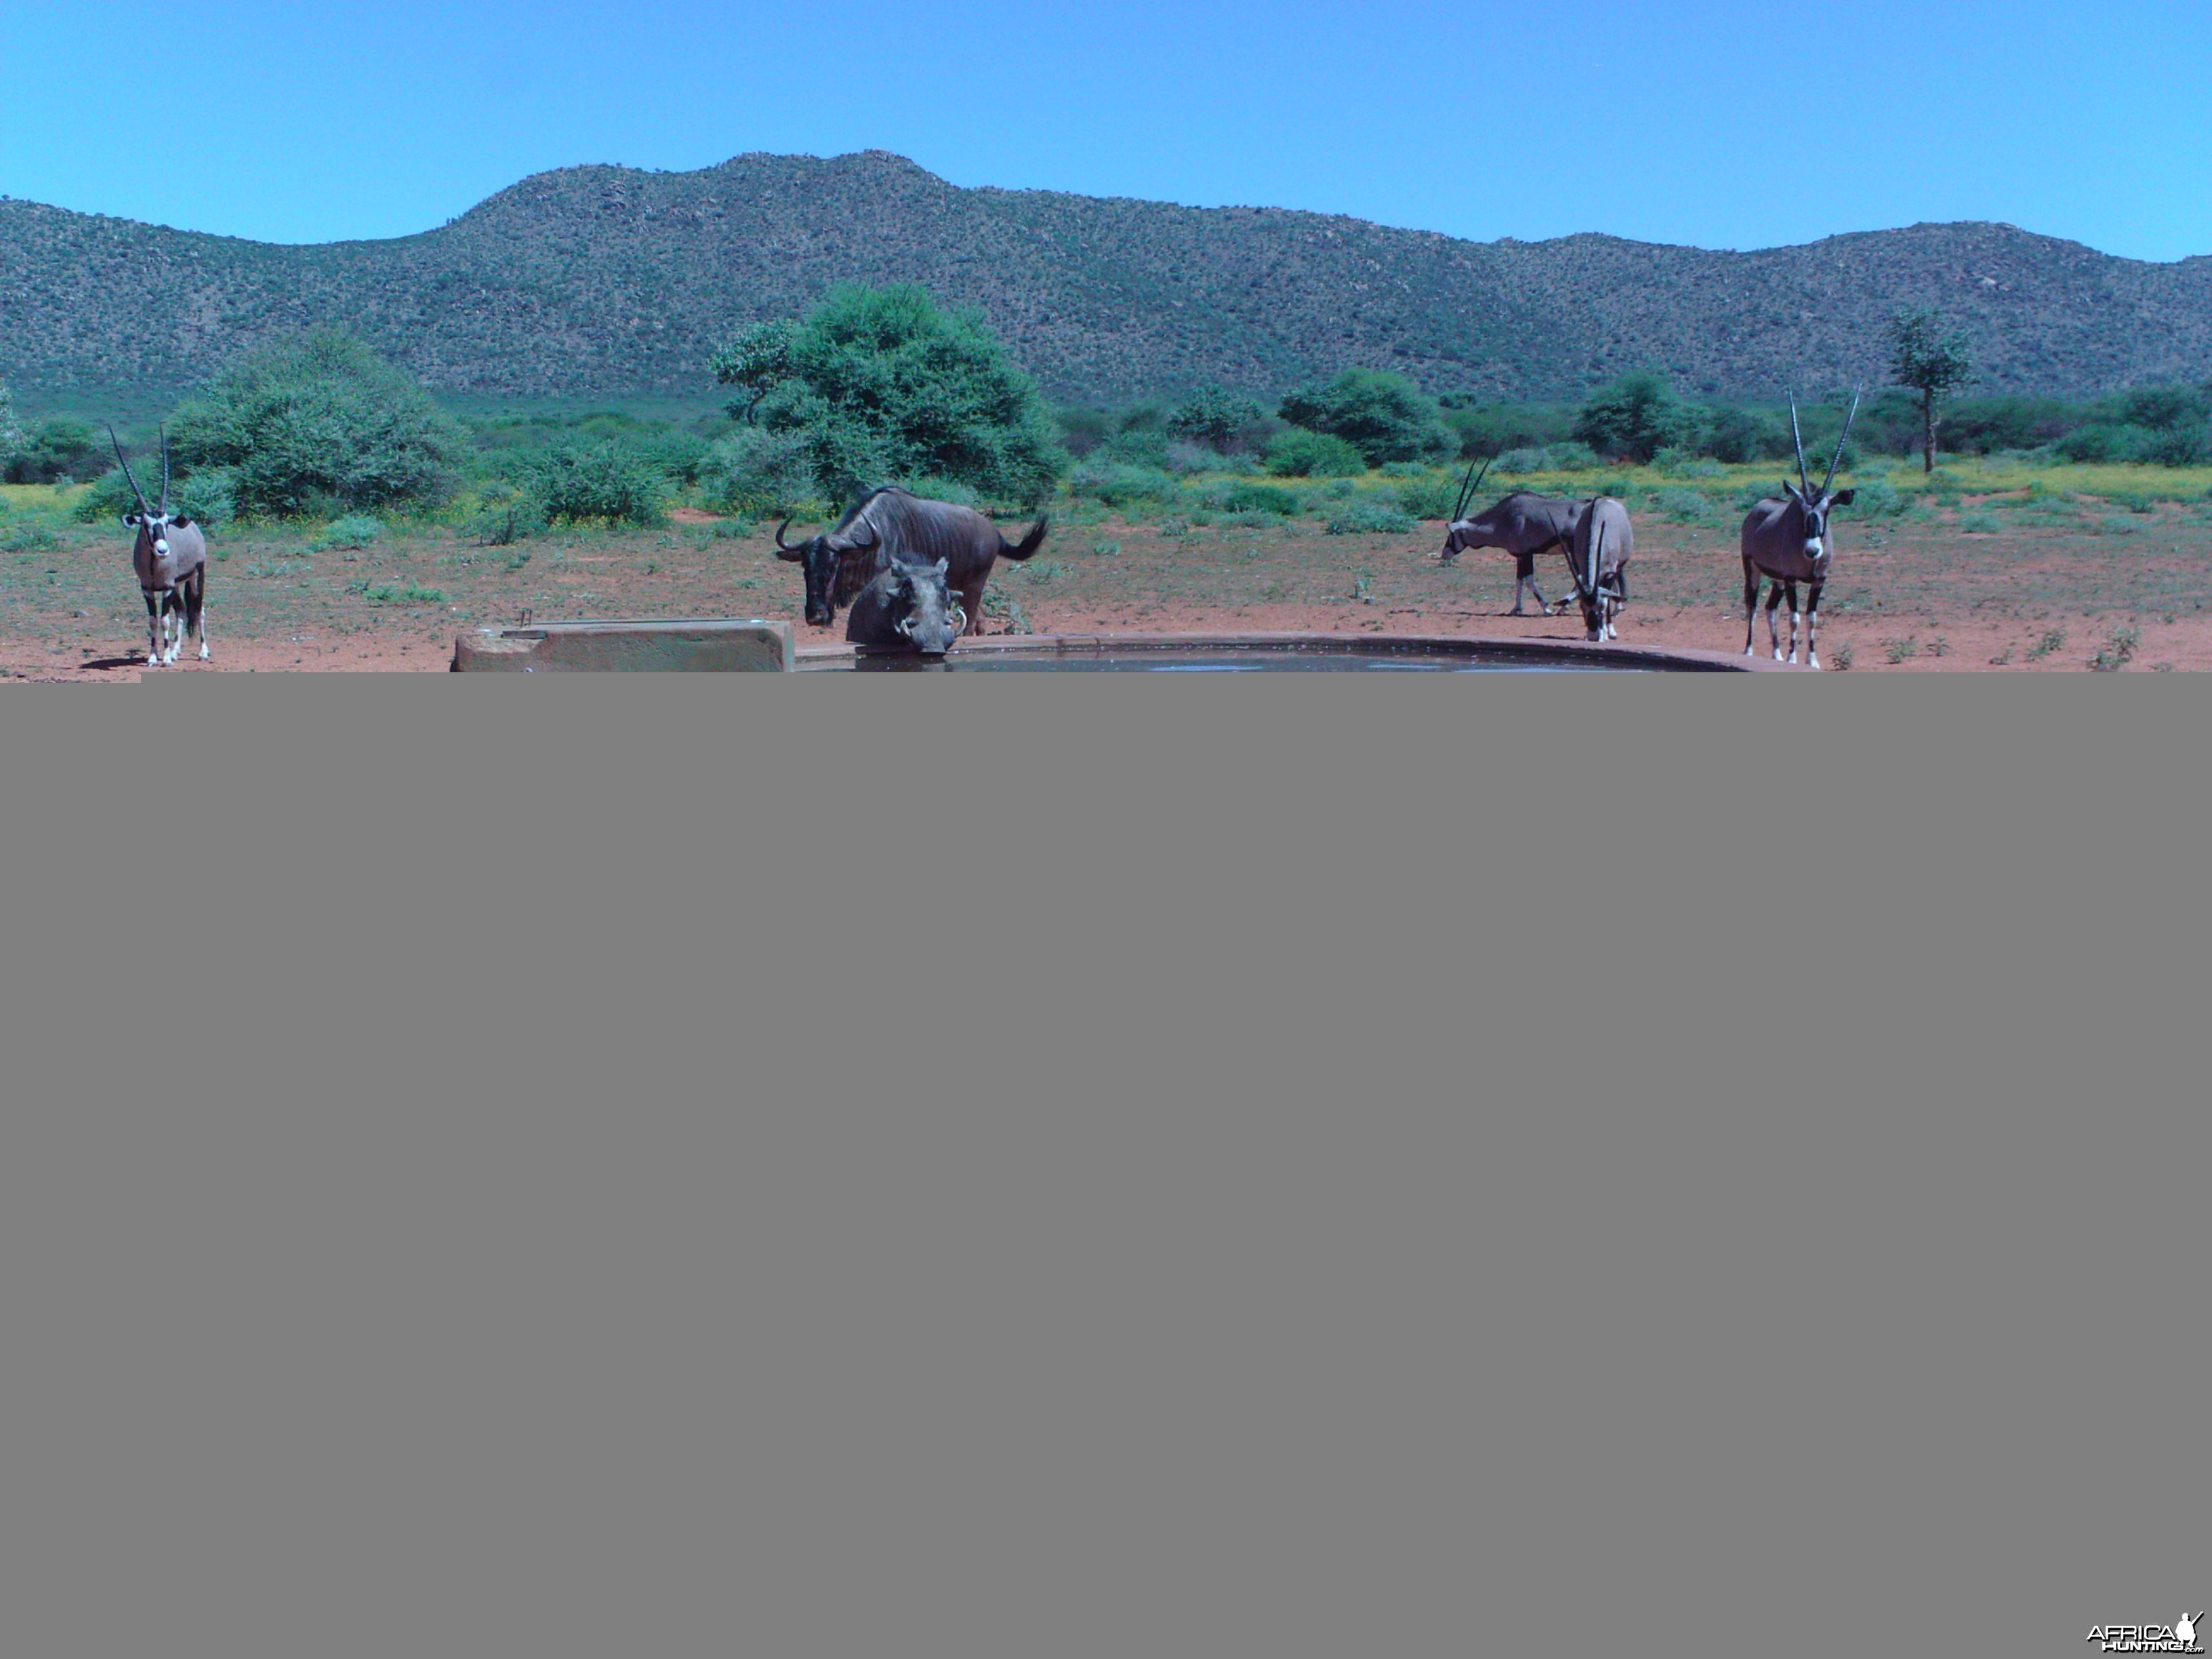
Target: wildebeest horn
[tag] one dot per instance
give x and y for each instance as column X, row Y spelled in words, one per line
column 782, row 544
column 1841, row 442
column 165, row 470
column 126, row 465
column 1803, row 477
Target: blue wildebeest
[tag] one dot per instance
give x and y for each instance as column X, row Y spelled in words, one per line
column 1786, row 539
column 890, row 524
column 908, row 607
column 1597, row 558
column 170, row 556
column 1523, row 524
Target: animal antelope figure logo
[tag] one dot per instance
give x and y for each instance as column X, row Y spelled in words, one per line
column 170, row 556
column 1786, row 540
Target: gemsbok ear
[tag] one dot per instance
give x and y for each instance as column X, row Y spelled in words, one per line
column 131, row 520
column 180, row 522
column 1843, row 498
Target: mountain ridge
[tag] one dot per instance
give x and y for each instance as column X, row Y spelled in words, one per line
column 601, row 280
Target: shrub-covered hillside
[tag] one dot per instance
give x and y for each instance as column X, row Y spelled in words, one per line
column 606, row 282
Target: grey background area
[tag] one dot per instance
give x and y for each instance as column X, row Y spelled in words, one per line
column 889, row 1166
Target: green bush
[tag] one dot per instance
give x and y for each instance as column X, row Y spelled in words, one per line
column 1215, row 417
column 1119, row 485
column 606, row 483
column 1369, row 515
column 1740, row 435
column 1684, row 505
column 1878, row 498
column 53, row 449
column 760, row 472
column 946, row 489
column 679, row 457
column 503, row 516
column 320, row 423
column 1569, row 455
column 1260, row 498
column 1432, row 496
column 1185, row 456
column 355, row 531
column 1385, row 416
column 1298, row 453
column 1637, row 416
column 886, row 386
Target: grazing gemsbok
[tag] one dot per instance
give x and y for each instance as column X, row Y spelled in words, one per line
column 907, row 608
column 890, row 524
column 1597, row 558
column 170, row 556
column 1786, row 540
column 1522, row 525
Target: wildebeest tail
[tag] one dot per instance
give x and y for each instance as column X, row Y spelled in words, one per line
column 1031, row 543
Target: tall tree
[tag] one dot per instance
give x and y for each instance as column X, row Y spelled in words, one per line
column 759, row 360
column 1933, row 363
column 887, row 387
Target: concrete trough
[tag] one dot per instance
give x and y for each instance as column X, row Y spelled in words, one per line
column 683, row 645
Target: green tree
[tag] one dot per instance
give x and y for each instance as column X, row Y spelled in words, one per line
column 758, row 362
column 886, row 386
column 1933, row 363
column 1212, row 416
column 56, row 449
column 1637, row 416
column 321, row 424
column 1385, row 416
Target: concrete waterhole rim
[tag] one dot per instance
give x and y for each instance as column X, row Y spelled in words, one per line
column 706, row 644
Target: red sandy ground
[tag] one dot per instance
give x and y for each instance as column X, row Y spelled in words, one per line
column 1980, row 601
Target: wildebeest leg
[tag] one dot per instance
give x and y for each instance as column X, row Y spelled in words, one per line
column 1796, row 619
column 1812, row 622
column 1773, row 627
column 1750, row 603
column 153, row 629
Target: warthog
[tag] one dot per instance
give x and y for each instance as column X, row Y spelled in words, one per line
column 1597, row 558
column 890, row 523
column 170, row 558
column 908, row 607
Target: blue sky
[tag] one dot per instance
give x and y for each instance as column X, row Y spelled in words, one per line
column 1717, row 123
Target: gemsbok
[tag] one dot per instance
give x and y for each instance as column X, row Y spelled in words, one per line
column 1522, row 525
column 170, row 556
column 1786, row 540
column 1597, row 558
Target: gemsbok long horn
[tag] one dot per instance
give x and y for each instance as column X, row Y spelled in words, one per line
column 126, row 465
column 1804, row 477
column 165, row 470
column 1466, row 489
column 1848, row 423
